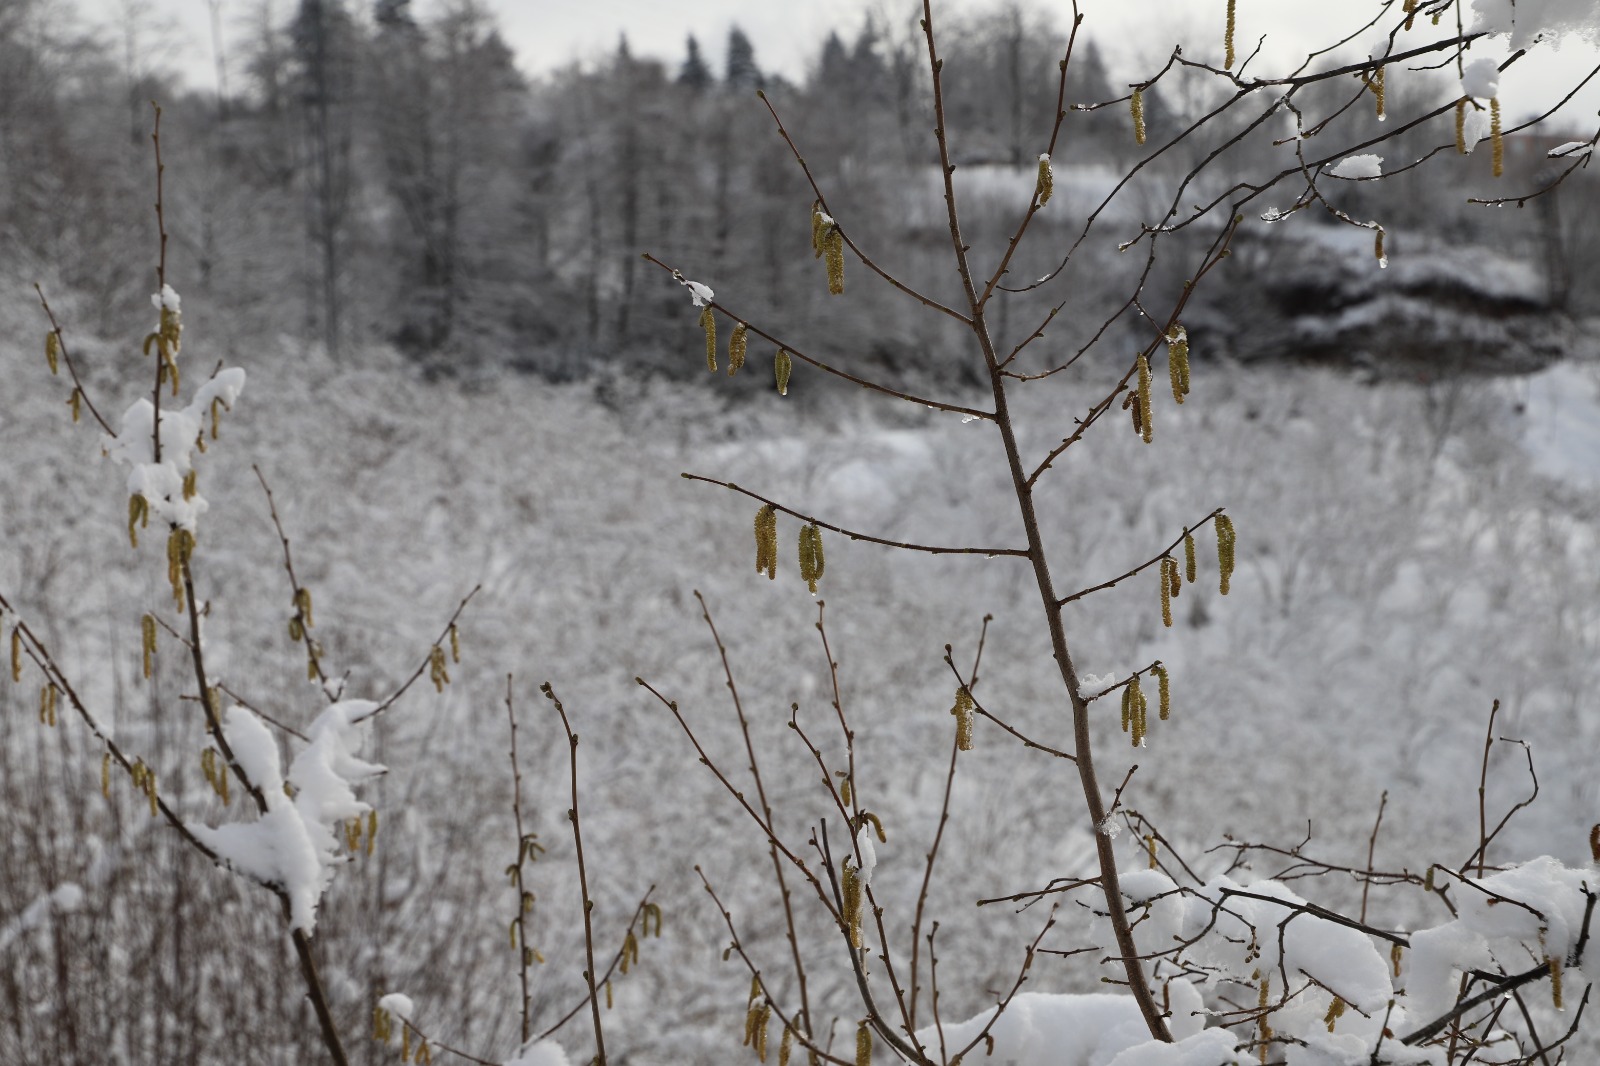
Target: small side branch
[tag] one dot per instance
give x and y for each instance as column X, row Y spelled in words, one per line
column 852, row 534
column 825, row 367
column 1147, row 564
column 583, row 875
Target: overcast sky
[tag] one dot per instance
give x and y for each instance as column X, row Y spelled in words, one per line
column 1136, row 34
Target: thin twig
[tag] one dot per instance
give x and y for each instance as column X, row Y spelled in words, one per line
column 850, row 533
column 583, row 874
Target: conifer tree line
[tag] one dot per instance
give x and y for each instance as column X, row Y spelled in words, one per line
column 388, row 174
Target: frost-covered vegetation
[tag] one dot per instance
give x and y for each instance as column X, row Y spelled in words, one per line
column 1310, row 846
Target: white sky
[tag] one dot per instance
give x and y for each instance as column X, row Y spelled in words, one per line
column 1136, row 34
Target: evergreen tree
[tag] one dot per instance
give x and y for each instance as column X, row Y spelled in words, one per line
column 742, row 72
column 694, row 73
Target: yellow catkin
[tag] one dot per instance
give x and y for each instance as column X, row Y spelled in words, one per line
column 766, row 526
column 147, row 630
column 1461, row 127
column 1410, row 9
column 1127, row 709
column 737, row 346
column 1394, row 960
column 811, row 558
column 963, row 712
column 1045, row 187
column 52, row 351
column 1227, row 41
column 75, row 403
column 1164, row 692
column 762, row 1024
column 1191, row 568
column 105, row 775
column 833, row 253
column 819, row 229
column 436, row 669
column 1136, row 105
column 708, row 322
column 16, row 654
column 302, row 604
column 1135, row 712
column 180, row 549
column 1495, row 138
column 1171, row 583
column 1225, row 550
column 1555, row 981
column 138, row 517
column 1146, row 430
column 1178, row 362
column 785, row 1046
column 782, row 367
column 1377, row 91
column 1377, row 248
column 1335, row 1012
column 863, row 1045
column 852, row 904
column 1150, row 848
column 1261, row 1007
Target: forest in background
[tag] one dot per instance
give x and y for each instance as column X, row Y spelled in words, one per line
column 384, row 176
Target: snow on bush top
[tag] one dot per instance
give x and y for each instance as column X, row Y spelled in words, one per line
column 295, row 845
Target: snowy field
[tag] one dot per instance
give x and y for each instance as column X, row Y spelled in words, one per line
column 1406, row 556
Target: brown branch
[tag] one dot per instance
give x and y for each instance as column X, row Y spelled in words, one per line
column 850, row 533
column 1083, row 745
column 312, row 646
column 444, row 634
column 1188, row 530
column 72, row 366
column 766, row 809
column 583, row 875
column 866, row 261
column 825, row 367
column 525, row 1002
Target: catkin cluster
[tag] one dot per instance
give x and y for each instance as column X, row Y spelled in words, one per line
column 757, row 1016
column 1171, row 585
column 216, row 770
column 828, row 245
column 1178, row 362
column 1135, row 705
column 767, row 542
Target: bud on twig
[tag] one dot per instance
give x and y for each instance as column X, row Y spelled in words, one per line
column 782, row 365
